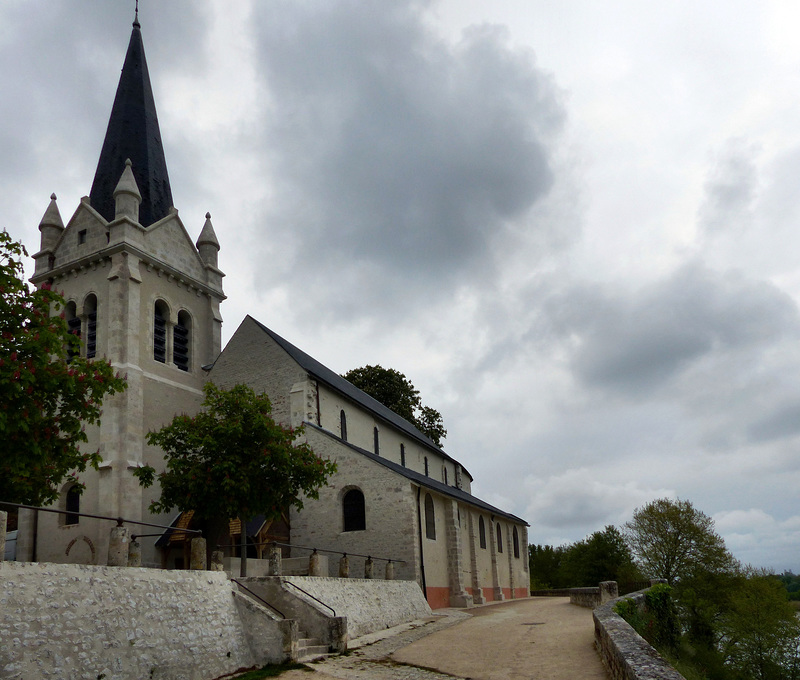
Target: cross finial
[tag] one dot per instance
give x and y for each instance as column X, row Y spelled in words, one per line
column 136, row 16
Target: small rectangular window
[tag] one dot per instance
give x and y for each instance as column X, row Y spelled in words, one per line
column 81, row 237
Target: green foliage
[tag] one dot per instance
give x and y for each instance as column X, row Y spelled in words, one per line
column 665, row 630
column 233, row 460
column 656, row 621
column 392, row 389
column 45, row 400
column 603, row 556
column 672, row 540
column 544, row 563
column 760, row 631
column 273, row 671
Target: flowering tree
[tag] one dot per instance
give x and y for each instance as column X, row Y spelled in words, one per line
column 45, row 399
column 232, row 460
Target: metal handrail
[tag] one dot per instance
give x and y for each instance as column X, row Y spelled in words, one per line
column 259, row 598
column 310, row 595
column 312, row 549
column 119, row 520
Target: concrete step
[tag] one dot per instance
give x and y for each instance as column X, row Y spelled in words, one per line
column 310, row 649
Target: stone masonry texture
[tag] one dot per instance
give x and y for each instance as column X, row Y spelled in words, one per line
column 70, row 622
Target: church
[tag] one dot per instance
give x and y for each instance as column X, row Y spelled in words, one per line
column 146, row 295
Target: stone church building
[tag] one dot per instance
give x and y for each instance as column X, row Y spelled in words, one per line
column 145, row 295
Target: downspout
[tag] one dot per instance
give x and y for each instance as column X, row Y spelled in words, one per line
column 421, row 552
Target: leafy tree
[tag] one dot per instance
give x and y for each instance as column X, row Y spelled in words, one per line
column 545, row 566
column 45, row 399
column 671, row 539
column 760, row 630
column 603, row 556
column 392, row 389
column 232, row 460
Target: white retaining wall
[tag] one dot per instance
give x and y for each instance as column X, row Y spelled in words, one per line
column 70, row 622
column 369, row 605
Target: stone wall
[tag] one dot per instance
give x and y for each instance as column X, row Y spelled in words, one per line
column 626, row 654
column 70, row 622
column 369, row 605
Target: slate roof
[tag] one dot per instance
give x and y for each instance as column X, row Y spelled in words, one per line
column 338, row 383
column 423, row 480
column 133, row 133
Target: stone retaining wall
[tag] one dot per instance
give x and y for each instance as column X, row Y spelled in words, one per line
column 69, row 622
column 369, row 605
column 626, row 654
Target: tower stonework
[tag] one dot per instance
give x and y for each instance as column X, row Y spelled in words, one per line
column 143, row 296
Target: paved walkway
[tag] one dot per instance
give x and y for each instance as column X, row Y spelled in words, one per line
column 537, row 638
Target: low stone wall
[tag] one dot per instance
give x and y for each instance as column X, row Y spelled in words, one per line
column 626, row 654
column 69, row 622
column 369, row 605
column 583, row 597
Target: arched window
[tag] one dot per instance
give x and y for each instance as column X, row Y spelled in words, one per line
column 74, row 327
column 354, row 511
column 72, row 505
column 430, row 518
column 181, row 340
column 343, row 424
column 482, row 532
column 403, row 455
column 499, row 539
column 160, row 315
column 90, row 309
column 515, row 540
column 376, row 441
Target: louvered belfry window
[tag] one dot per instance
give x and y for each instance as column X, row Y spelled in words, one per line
column 159, row 336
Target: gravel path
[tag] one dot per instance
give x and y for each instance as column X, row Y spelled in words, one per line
column 536, row 638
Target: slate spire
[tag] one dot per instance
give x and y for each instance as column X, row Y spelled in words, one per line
column 133, row 134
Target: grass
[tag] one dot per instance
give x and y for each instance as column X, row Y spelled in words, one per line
column 273, row 671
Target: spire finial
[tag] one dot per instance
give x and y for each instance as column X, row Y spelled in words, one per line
column 136, row 23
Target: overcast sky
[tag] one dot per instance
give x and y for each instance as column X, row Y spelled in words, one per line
column 575, row 226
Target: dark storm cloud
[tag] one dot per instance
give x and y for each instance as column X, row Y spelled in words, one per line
column 637, row 342
column 393, row 149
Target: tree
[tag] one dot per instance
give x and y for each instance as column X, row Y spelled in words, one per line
column 603, row 556
column 392, row 389
column 46, row 398
column 672, row 540
column 760, row 630
column 544, row 562
column 232, row 460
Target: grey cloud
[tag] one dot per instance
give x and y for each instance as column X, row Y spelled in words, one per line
column 394, row 149
column 640, row 341
column 731, row 188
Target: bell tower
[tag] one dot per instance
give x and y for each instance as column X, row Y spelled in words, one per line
column 141, row 294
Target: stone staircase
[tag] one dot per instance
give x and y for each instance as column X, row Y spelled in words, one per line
column 310, row 649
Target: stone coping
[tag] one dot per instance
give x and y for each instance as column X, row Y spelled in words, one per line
column 626, row 654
